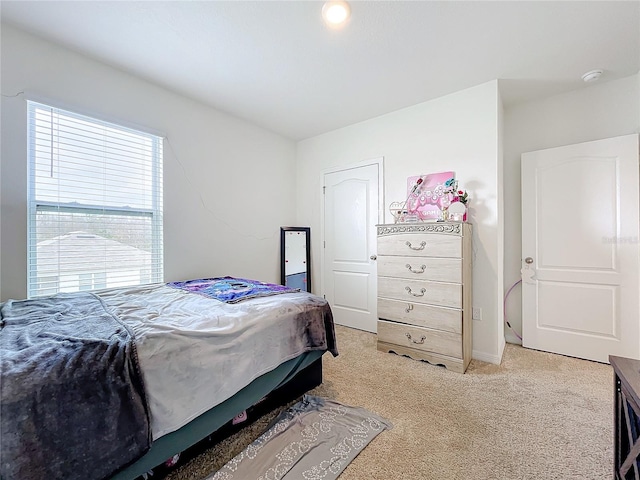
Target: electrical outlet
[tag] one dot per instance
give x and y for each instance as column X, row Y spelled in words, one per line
column 477, row 313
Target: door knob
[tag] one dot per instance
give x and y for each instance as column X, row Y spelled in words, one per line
column 528, row 260
column 373, row 257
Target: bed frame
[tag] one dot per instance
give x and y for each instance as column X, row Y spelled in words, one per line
column 284, row 384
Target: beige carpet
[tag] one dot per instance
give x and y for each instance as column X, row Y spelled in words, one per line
column 535, row 416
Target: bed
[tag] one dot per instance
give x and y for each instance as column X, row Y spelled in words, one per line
column 112, row 383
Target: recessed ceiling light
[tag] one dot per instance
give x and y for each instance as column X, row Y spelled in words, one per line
column 592, row 76
column 336, row 13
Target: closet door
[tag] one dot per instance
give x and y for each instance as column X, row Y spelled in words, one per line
column 351, row 211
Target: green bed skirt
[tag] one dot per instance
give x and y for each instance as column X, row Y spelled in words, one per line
column 168, row 445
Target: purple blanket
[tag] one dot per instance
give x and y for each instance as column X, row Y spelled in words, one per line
column 231, row 289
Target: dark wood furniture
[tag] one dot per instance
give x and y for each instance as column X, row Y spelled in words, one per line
column 626, row 454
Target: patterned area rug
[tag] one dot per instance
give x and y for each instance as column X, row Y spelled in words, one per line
column 314, row 439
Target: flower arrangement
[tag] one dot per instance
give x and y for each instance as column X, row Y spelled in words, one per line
column 461, row 196
column 458, row 195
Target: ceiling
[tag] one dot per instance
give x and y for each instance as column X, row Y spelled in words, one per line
column 275, row 63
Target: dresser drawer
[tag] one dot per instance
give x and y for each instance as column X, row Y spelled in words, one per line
column 420, row 245
column 416, row 291
column 424, row 268
column 437, row 318
column 424, row 339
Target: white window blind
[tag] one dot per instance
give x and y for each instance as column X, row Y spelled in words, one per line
column 95, row 203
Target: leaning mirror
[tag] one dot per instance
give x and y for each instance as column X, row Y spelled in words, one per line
column 295, row 257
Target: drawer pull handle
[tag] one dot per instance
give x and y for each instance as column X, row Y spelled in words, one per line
column 423, row 267
column 409, row 308
column 421, row 247
column 421, row 294
column 418, row 342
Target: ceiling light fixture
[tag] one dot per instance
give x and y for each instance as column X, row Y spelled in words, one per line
column 336, row 13
column 592, row 76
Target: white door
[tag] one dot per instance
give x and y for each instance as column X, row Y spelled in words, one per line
column 351, row 205
column 580, row 249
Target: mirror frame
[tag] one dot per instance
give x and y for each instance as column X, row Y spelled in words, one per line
column 283, row 236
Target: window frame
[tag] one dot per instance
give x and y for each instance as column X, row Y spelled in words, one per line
column 155, row 213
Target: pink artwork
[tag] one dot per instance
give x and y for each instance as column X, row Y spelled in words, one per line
column 426, row 195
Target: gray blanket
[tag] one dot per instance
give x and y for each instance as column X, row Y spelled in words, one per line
column 73, row 404
column 196, row 352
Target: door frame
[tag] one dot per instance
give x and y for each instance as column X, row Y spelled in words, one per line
column 365, row 163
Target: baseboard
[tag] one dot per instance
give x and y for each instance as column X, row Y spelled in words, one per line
column 485, row 357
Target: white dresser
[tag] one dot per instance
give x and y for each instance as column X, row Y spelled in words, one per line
column 424, row 292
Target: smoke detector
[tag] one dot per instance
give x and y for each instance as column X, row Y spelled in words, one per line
column 592, row 76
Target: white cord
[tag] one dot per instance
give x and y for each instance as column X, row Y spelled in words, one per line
column 504, row 308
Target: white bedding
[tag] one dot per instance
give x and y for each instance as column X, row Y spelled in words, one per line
column 195, row 352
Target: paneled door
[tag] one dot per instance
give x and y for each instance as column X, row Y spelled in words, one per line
column 581, row 249
column 351, row 209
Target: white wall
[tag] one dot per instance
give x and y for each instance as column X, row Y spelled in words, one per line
column 457, row 132
column 228, row 185
column 598, row 111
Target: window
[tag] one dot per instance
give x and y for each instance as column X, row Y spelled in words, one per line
column 95, row 203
